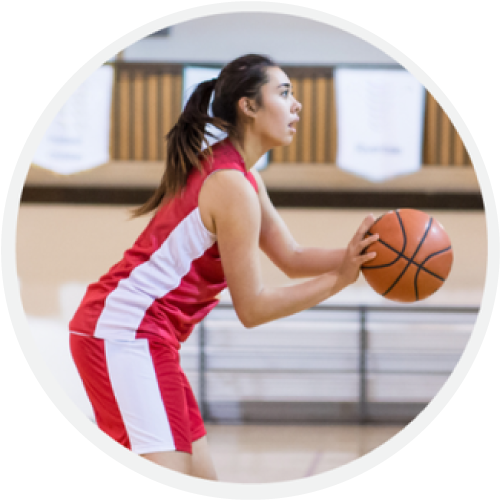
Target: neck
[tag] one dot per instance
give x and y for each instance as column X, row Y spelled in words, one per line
column 249, row 149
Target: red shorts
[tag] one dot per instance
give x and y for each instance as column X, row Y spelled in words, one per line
column 139, row 393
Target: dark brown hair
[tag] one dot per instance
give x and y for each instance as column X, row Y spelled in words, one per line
column 242, row 77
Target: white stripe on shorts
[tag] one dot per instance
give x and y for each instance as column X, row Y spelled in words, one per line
column 136, row 390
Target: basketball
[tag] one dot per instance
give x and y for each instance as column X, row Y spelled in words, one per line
column 414, row 256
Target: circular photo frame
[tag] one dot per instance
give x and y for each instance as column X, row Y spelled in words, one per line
column 116, row 452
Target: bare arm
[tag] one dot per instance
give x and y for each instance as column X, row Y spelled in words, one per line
column 235, row 212
column 278, row 244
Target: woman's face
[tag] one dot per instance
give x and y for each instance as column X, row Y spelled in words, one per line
column 276, row 119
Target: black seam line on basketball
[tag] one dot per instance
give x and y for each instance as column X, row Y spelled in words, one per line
column 397, row 252
column 408, row 259
column 411, row 261
column 398, row 255
column 422, row 268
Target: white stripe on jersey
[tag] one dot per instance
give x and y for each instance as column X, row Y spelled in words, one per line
column 127, row 304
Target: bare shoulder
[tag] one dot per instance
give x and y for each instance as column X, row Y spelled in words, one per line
column 225, row 187
column 226, row 180
column 226, row 194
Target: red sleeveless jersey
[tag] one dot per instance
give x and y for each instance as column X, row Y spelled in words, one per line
column 168, row 281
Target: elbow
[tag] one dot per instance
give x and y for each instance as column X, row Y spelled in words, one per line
column 287, row 268
column 292, row 273
column 248, row 321
column 248, row 318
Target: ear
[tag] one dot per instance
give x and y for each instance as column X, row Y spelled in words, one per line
column 247, row 106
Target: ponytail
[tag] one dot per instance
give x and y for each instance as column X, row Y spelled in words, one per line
column 242, row 77
column 185, row 143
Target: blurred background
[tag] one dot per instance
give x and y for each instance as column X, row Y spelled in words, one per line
column 312, row 392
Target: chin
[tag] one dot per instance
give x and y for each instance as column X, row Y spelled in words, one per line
column 282, row 141
column 287, row 140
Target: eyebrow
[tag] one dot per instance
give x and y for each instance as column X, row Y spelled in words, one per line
column 285, row 85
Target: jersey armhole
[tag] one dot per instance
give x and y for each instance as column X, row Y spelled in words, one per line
column 252, row 181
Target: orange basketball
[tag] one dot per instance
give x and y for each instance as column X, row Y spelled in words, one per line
column 414, row 256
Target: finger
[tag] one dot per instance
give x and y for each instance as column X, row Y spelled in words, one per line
column 368, row 221
column 366, row 242
column 369, row 240
column 366, row 257
column 365, row 226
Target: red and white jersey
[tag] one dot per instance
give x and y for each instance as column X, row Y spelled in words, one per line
column 168, row 281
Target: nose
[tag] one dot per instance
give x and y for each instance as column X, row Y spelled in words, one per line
column 296, row 106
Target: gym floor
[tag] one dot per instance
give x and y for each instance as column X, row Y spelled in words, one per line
column 276, row 453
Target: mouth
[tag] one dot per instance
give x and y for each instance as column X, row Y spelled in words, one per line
column 292, row 124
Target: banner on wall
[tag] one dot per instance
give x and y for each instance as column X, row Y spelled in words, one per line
column 78, row 137
column 380, row 121
column 193, row 75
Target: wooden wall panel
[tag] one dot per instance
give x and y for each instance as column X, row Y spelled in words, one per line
column 459, row 154
column 112, row 123
column 443, row 145
column 166, row 111
column 152, row 107
column 138, row 115
column 176, row 98
column 445, row 142
column 147, row 102
column 320, row 130
column 430, row 156
column 123, row 124
column 307, row 117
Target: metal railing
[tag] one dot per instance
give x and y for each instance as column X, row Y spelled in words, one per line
column 407, row 337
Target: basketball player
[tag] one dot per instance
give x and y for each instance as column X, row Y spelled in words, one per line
column 211, row 216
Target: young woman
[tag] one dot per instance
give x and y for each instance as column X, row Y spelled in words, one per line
column 211, row 216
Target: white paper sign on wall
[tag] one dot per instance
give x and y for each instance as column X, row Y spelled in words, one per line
column 380, row 120
column 78, row 137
